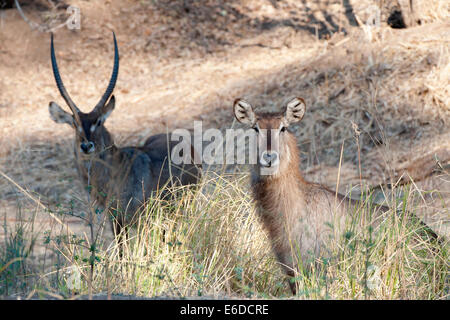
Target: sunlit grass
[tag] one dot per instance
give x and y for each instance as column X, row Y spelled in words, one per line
column 210, row 242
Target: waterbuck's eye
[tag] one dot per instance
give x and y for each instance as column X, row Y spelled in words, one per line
column 283, row 129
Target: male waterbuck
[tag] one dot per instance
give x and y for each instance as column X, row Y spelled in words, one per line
column 298, row 215
column 118, row 179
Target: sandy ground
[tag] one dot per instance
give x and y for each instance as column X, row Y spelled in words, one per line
column 184, row 63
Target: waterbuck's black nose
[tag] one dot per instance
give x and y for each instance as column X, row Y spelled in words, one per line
column 269, row 158
column 87, row 147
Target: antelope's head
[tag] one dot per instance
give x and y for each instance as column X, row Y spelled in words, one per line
column 90, row 133
column 273, row 139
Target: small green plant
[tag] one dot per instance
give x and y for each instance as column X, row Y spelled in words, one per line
column 15, row 268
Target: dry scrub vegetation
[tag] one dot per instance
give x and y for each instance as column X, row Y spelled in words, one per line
column 378, row 116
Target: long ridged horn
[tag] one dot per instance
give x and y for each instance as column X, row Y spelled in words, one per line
column 112, row 81
column 60, row 84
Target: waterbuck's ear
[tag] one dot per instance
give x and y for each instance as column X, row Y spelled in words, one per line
column 295, row 110
column 59, row 115
column 106, row 110
column 243, row 112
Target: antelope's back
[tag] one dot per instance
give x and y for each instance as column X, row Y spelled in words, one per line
column 158, row 148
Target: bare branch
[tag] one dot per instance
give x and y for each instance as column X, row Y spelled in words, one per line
column 34, row 25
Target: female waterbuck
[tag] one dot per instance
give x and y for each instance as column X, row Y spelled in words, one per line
column 300, row 217
column 118, row 179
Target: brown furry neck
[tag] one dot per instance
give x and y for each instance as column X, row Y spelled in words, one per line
column 275, row 194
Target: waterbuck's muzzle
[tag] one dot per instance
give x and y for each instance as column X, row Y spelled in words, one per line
column 269, row 159
column 87, row 147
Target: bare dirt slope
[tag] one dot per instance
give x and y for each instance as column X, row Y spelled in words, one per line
column 188, row 60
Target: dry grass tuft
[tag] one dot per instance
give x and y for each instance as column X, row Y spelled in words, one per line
column 210, row 243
